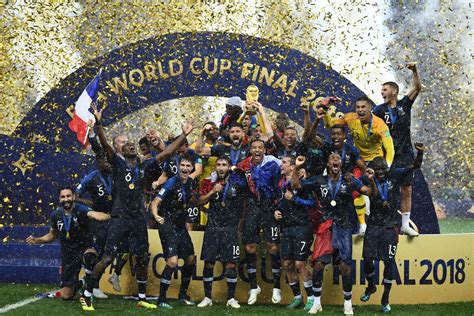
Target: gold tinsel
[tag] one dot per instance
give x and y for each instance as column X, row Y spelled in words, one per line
column 368, row 42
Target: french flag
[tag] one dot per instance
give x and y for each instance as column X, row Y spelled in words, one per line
column 78, row 124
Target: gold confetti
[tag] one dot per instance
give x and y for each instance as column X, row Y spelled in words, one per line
column 368, row 42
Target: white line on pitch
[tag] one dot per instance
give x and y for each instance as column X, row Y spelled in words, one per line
column 19, row 304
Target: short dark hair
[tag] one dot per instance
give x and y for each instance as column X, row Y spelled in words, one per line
column 226, row 158
column 66, row 187
column 291, row 127
column 253, row 140
column 210, row 123
column 291, row 157
column 175, row 138
column 342, row 127
column 186, row 157
column 364, row 98
column 391, row 84
column 236, row 124
column 377, row 163
column 144, row 140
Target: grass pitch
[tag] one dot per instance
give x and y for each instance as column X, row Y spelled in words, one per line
column 116, row 305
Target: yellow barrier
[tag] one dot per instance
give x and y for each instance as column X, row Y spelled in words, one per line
column 430, row 269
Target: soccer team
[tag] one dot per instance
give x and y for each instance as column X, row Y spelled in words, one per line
column 242, row 180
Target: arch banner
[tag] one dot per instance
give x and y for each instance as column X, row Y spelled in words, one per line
column 43, row 153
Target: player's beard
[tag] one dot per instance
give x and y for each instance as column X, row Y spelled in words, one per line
column 222, row 176
column 67, row 205
column 236, row 142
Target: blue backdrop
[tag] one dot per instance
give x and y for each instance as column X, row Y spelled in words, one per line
column 43, row 153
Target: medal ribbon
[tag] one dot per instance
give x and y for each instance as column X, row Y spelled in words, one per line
column 393, row 116
column 343, row 155
column 338, row 185
column 234, row 158
column 226, row 188
column 383, row 190
column 183, row 191
column 369, row 128
column 135, row 173
column 176, row 162
column 107, row 184
column 67, row 224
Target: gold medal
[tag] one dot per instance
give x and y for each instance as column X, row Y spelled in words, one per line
column 333, row 203
column 223, row 204
column 385, row 204
column 67, row 235
column 109, row 198
column 131, row 186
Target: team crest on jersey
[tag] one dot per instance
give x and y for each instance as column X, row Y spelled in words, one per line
column 390, row 184
column 317, row 152
column 343, row 187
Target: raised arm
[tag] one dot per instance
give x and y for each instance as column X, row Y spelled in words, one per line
column 320, row 114
column 295, row 179
column 98, row 216
column 187, row 129
column 96, row 148
column 415, row 90
column 201, row 148
column 101, row 134
column 387, row 143
column 419, row 156
column 371, row 189
column 266, row 122
column 197, row 171
column 45, row 239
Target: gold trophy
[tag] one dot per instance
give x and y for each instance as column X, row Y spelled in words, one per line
column 251, row 96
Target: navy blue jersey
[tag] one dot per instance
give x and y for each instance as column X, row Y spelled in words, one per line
column 387, row 215
column 153, row 170
column 296, row 151
column 398, row 120
column 316, row 158
column 171, row 165
column 72, row 228
column 295, row 212
column 99, row 188
column 349, row 155
column 339, row 208
column 175, row 196
column 225, row 207
column 127, row 193
column 235, row 155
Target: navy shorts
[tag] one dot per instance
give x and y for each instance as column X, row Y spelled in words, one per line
column 296, row 243
column 175, row 241
column 221, row 244
column 128, row 233
column 71, row 264
column 257, row 217
column 99, row 231
column 380, row 243
column 401, row 161
column 341, row 244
